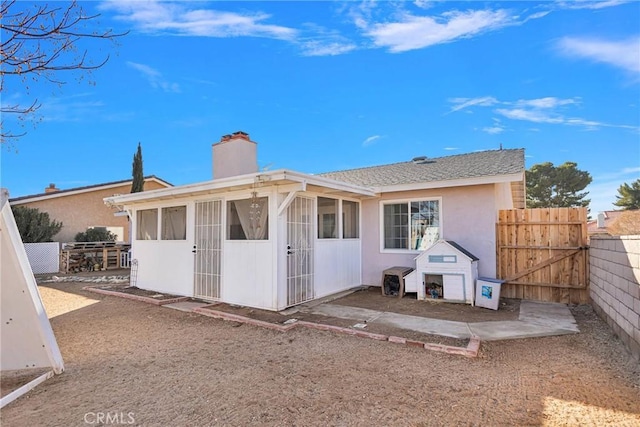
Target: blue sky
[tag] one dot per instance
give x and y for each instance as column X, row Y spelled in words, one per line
column 323, row 86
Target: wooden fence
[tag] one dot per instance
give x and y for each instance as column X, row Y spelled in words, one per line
column 542, row 254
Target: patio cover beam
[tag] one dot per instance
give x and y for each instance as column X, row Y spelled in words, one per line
column 292, row 194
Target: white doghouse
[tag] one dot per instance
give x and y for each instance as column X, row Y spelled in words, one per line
column 446, row 272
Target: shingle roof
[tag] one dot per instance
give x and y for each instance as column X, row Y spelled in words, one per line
column 463, row 250
column 471, row 165
column 85, row 188
column 617, row 223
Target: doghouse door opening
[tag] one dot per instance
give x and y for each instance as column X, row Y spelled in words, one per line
column 433, row 286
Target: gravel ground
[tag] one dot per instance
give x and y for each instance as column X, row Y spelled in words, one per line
column 132, row 363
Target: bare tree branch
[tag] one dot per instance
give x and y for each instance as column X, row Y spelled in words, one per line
column 39, row 42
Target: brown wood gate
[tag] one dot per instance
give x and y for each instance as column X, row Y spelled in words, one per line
column 542, row 254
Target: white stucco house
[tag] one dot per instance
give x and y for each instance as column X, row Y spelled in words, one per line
column 275, row 239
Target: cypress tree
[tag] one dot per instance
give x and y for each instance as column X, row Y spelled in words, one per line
column 138, row 177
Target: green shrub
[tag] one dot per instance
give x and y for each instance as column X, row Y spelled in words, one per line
column 96, row 234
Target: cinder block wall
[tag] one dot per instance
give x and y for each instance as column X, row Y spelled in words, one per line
column 614, row 263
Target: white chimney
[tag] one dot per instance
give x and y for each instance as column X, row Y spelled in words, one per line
column 234, row 155
column 601, row 220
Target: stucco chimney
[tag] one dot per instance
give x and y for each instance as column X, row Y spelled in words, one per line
column 234, row 155
column 51, row 188
column 601, row 220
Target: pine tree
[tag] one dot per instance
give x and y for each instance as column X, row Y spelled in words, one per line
column 629, row 197
column 550, row 186
column 138, row 177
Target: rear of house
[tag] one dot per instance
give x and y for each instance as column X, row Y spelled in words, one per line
column 275, row 239
column 421, row 201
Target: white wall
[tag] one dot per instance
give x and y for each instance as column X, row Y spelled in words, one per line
column 247, row 274
column 337, row 265
column 248, row 270
column 251, row 270
column 165, row 265
column 468, row 217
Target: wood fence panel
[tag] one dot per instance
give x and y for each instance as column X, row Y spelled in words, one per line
column 543, row 254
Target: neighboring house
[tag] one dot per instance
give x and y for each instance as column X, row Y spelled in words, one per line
column 83, row 207
column 275, row 239
column 615, row 223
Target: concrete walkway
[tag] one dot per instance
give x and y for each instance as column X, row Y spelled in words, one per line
column 537, row 319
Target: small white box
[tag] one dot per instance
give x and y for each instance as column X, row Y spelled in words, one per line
column 488, row 292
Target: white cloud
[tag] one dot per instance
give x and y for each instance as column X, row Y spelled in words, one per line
column 616, row 175
column 590, row 4
column 423, row 4
column 320, row 48
column 416, row 32
column 529, row 115
column 320, row 41
column 74, row 108
column 536, row 110
column 176, row 17
column 539, row 116
column 451, row 148
column 623, row 54
column 462, row 103
column 370, row 140
column 548, row 102
column 183, row 18
column 154, row 77
column 493, row 130
column 496, row 129
column 538, row 15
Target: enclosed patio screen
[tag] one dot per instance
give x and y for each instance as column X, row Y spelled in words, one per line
column 248, row 219
column 174, row 223
column 327, row 218
column 147, row 224
column 411, row 225
column 350, row 218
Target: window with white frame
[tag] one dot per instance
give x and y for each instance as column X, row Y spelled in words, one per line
column 147, row 224
column 327, row 218
column 411, row 225
column 350, row 220
column 174, row 223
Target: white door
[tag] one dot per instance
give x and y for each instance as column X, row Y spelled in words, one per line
column 300, row 251
column 208, row 250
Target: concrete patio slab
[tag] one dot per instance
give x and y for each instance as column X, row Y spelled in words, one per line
column 552, row 315
column 537, row 319
column 446, row 328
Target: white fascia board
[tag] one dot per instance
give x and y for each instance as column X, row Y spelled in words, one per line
column 249, row 180
column 452, row 183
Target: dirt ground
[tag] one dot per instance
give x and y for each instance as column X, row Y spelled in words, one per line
column 132, row 363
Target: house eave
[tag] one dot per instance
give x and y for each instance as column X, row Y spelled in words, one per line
column 242, row 182
column 462, row 182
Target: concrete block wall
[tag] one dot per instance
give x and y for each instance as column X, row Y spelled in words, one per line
column 614, row 263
